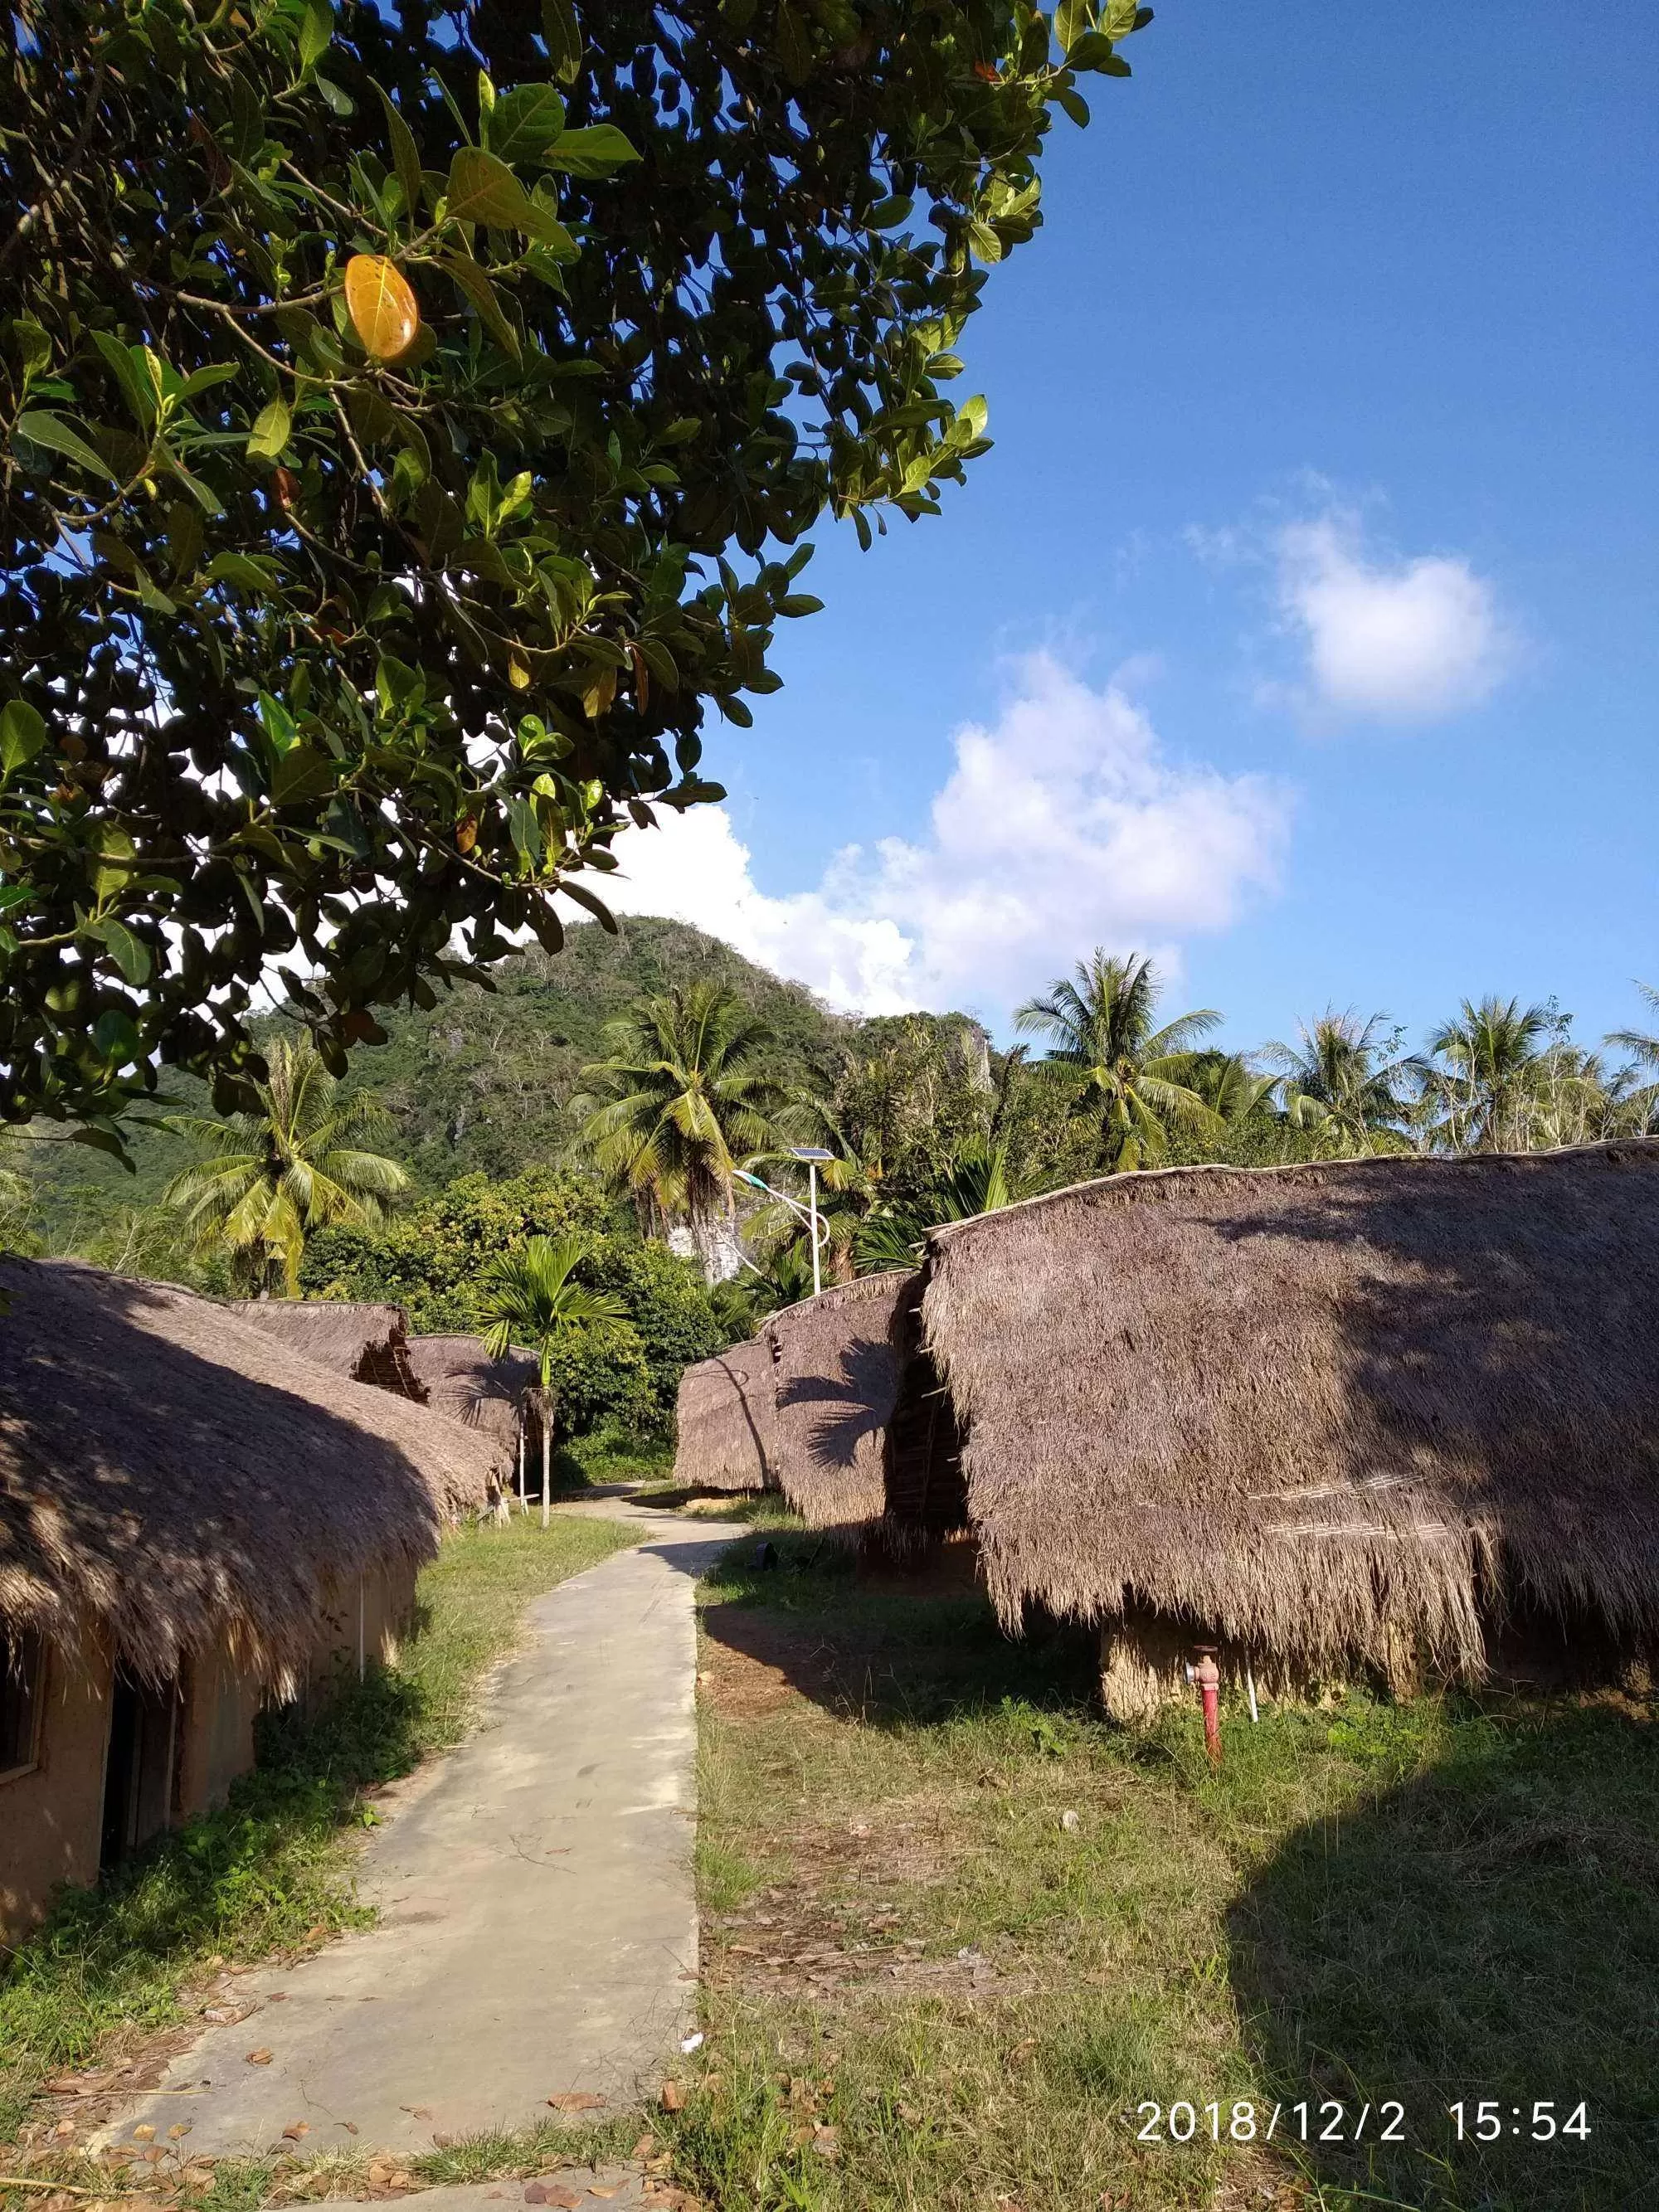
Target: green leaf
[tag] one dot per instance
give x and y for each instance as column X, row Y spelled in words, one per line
column 482, row 189
column 303, row 774
column 597, row 908
column 1071, row 21
column 269, row 432
column 564, row 39
column 136, row 389
column 279, row 724
column 252, row 571
column 129, row 953
column 888, row 214
column 525, row 123
column 22, row 733
column 316, row 33
column 57, row 435
column 116, row 1037
column 339, row 100
column 34, row 347
column 405, row 157
column 483, row 293
column 594, row 151
column 103, row 1140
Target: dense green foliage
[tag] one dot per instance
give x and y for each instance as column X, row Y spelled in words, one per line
column 435, row 1260
column 386, row 394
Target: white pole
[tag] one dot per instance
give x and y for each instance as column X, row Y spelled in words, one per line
column 1249, row 1683
column 523, row 1500
column 547, row 1454
column 812, row 1187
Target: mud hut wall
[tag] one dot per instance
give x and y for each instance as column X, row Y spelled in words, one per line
column 52, row 1809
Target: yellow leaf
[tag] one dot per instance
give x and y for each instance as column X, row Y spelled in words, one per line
column 518, row 671
column 383, row 311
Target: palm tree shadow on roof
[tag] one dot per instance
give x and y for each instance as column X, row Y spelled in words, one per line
column 1487, row 1931
column 853, row 1399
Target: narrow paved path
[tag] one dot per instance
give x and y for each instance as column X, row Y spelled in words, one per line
column 537, row 1931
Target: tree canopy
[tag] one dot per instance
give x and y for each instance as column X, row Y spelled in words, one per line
column 405, row 414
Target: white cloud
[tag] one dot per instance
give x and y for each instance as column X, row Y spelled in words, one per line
column 1062, row 826
column 1400, row 640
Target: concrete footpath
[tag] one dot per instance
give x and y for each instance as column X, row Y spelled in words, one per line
column 537, row 1931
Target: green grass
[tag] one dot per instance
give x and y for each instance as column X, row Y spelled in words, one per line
column 1448, row 1898
column 272, row 1870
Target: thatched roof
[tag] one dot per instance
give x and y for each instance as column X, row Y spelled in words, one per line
column 456, row 1377
column 364, row 1343
column 168, row 1470
column 727, row 1416
column 836, row 1371
column 1329, row 1412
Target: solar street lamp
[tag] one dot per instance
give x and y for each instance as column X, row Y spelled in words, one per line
column 812, row 1154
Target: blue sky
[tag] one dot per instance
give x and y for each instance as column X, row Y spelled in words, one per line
column 1300, row 625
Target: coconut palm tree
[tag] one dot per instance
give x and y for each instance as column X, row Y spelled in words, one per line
column 1346, row 1079
column 689, row 1101
column 530, row 1299
column 1136, row 1075
column 1492, row 1066
column 270, row 1179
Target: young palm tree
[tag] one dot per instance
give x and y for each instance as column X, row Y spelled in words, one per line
column 979, row 1181
column 1493, row 1066
column 530, row 1299
column 1136, row 1077
column 268, row 1180
column 689, row 1101
column 1343, row 1078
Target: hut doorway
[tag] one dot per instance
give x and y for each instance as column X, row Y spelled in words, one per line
column 138, row 1768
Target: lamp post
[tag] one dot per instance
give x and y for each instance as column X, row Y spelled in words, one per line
column 812, row 1154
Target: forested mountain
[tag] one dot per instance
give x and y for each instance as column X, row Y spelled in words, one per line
column 480, row 1082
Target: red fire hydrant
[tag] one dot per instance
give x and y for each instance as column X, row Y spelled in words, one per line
column 1207, row 1675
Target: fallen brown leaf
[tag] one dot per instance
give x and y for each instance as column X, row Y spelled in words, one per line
column 350, row 2126
column 575, row 2100
column 225, row 2016
column 178, row 2128
column 297, row 2130
column 259, row 2057
column 673, row 2097
column 562, row 2199
column 144, row 2133
column 644, row 2146
column 535, row 2193
column 417, row 2112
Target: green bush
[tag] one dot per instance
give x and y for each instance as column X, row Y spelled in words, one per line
column 432, row 1262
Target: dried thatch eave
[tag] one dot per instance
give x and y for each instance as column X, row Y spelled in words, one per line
column 1329, row 1413
column 726, row 1421
column 835, row 1375
column 457, row 1377
column 364, row 1343
column 171, row 1475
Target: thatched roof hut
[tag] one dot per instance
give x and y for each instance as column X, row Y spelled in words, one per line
column 172, row 1475
column 456, row 1377
column 835, row 1375
column 1327, row 1414
column 726, row 1415
column 365, row 1343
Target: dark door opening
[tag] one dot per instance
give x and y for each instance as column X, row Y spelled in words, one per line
column 143, row 1736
